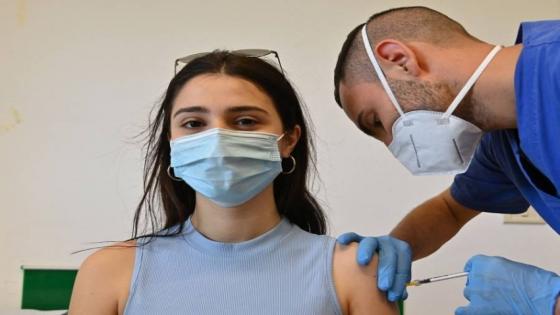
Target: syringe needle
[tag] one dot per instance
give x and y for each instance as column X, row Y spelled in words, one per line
column 415, row 283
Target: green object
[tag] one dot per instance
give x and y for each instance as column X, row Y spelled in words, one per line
column 47, row 289
column 401, row 307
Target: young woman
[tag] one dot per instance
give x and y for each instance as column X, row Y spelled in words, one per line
column 228, row 157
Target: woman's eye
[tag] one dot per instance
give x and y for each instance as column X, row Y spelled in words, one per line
column 246, row 122
column 193, row 124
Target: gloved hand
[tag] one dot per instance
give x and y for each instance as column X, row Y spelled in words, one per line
column 496, row 285
column 395, row 259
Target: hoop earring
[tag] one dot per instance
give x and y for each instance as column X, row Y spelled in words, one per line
column 171, row 176
column 293, row 166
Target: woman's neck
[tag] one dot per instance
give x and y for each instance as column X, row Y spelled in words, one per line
column 238, row 224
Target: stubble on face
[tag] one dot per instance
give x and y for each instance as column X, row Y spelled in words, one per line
column 437, row 96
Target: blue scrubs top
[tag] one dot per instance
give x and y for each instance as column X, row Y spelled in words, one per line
column 515, row 168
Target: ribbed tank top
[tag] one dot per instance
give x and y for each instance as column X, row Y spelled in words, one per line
column 284, row 271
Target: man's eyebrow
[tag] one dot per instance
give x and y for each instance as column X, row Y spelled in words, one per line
column 246, row 108
column 191, row 109
column 361, row 124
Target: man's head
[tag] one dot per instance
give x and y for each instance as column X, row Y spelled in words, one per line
column 414, row 46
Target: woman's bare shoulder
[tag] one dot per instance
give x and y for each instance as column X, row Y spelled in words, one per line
column 356, row 286
column 103, row 280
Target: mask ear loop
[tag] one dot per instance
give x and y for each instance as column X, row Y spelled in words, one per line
column 171, row 176
column 291, row 157
column 468, row 85
column 380, row 74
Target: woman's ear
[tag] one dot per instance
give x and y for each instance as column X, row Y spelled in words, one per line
column 289, row 141
column 397, row 57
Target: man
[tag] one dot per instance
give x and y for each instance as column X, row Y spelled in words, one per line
column 500, row 132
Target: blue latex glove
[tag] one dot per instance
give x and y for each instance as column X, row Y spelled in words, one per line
column 496, row 285
column 395, row 259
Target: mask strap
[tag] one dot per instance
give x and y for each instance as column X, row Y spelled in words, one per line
column 471, row 82
column 379, row 72
column 281, row 136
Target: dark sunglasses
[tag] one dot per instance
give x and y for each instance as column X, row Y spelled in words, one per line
column 256, row 53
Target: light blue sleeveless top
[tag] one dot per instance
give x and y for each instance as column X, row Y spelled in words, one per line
column 284, row 271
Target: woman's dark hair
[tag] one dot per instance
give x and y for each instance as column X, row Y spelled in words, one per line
column 175, row 200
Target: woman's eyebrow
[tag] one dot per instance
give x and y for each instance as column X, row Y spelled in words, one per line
column 246, row 108
column 191, row 109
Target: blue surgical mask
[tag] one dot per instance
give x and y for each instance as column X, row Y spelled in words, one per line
column 226, row 166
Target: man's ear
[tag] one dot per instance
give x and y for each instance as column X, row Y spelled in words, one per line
column 289, row 141
column 397, row 57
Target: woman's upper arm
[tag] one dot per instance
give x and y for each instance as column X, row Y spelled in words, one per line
column 356, row 286
column 102, row 283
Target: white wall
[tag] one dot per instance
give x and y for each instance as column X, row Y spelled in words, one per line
column 79, row 77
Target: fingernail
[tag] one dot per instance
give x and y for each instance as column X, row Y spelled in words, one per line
column 393, row 297
column 363, row 259
column 384, row 284
column 405, row 296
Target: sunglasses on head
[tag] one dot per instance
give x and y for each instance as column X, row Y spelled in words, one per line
column 256, row 53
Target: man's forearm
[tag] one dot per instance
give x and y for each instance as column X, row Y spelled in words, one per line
column 427, row 227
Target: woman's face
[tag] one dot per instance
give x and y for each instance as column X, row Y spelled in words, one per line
column 222, row 101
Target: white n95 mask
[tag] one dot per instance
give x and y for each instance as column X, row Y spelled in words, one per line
column 429, row 142
column 226, row 166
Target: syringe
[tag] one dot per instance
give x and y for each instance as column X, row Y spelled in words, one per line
column 415, row 283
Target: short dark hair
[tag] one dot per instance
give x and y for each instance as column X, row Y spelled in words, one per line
column 341, row 64
column 175, row 200
column 415, row 23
